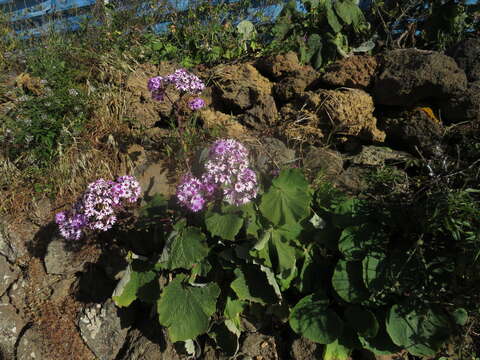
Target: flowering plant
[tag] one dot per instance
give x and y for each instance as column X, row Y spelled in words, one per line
column 183, row 81
column 227, row 174
column 98, row 207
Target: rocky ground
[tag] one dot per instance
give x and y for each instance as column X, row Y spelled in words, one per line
column 362, row 113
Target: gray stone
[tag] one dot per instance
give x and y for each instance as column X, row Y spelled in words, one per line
column 273, row 154
column 409, row 76
column 378, row 156
column 59, row 260
column 352, row 180
column 8, row 274
column 11, row 325
column 32, row 347
column 104, row 329
column 7, row 249
column 329, row 162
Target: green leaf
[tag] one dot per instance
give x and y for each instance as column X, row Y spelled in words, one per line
column 336, row 351
column 332, row 18
column 139, row 281
column 233, row 309
column 351, row 242
column 184, row 248
column 347, row 281
column 460, row 316
column 224, row 226
column 185, row 310
column 421, row 332
column 362, row 321
column 374, row 268
column 311, row 318
column 247, row 30
column 251, row 284
column 288, row 199
column 346, row 213
column 345, row 10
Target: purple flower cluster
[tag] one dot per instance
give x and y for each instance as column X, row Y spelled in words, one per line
column 183, row 81
column 227, row 169
column 97, row 208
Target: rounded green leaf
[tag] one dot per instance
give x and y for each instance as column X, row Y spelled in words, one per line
column 185, row 310
column 224, row 226
column 363, row 321
column 422, row 333
column 252, row 284
column 184, row 249
column 311, row 318
column 460, row 316
column 374, row 271
column 288, row 199
column 139, row 281
column 347, row 281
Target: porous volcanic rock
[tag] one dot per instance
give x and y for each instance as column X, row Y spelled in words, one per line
column 290, row 87
column 356, row 71
column 329, row 162
column 346, row 112
column 279, row 66
column 463, row 107
column 467, row 55
column 216, row 120
column 242, row 90
column 304, row 349
column 412, row 130
column 408, row 76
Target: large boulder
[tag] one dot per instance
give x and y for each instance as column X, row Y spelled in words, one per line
column 413, row 131
column 356, row 71
column 279, row 66
column 242, row 90
column 408, row 76
column 346, row 112
column 463, row 107
column 467, row 55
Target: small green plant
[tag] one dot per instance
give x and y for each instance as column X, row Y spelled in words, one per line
column 322, row 33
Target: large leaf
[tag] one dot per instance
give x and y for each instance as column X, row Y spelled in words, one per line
column 362, row 321
column 374, row 269
column 336, row 351
column 184, row 248
column 251, row 284
column 347, row 281
column 139, row 281
column 277, row 251
column 185, row 310
column 345, row 10
column 332, row 18
column 224, row 226
column 311, row 318
column 421, row 332
column 288, row 199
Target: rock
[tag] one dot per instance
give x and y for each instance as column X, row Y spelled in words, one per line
column 272, row 154
column 59, row 260
column 7, row 249
column 11, row 326
column 290, row 87
column 357, row 71
column 262, row 115
column 32, row 346
column 278, row 66
column 226, row 123
column 329, row 162
column 467, row 55
column 259, row 346
column 300, row 125
column 42, row 210
column 408, row 76
column 148, row 343
column 409, row 130
column 153, row 180
column 352, row 180
column 347, row 112
column 104, row 329
column 463, row 107
column 239, row 88
column 304, row 349
column 8, row 274
column 378, row 156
